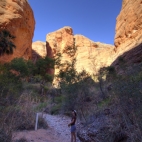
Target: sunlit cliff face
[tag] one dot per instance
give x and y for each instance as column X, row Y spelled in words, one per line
column 17, row 17
column 89, row 55
column 129, row 22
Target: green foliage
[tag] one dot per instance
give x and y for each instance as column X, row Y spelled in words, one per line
column 75, row 86
column 78, row 95
column 9, row 84
column 5, row 135
column 23, row 67
column 43, row 67
column 55, row 109
column 104, row 103
column 12, row 85
column 26, row 69
column 6, row 42
column 69, row 75
column 58, row 99
column 71, row 50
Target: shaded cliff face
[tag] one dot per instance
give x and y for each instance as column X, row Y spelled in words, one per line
column 17, row 17
column 38, row 50
column 89, row 54
column 128, row 36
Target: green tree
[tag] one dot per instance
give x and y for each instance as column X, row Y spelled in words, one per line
column 6, row 42
column 74, row 85
column 43, row 67
column 23, row 67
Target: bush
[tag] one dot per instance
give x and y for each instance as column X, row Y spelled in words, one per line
column 55, row 109
column 5, row 135
column 40, row 106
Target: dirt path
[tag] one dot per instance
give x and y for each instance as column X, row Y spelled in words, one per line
column 58, row 131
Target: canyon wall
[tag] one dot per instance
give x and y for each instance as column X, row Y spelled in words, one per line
column 17, row 17
column 129, row 23
column 128, row 37
column 89, row 56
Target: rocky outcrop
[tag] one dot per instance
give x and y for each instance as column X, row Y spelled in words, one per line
column 58, row 40
column 90, row 55
column 17, row 17
column 93, row 55
column 129, row 28
column 38, row 50
column 129, row 22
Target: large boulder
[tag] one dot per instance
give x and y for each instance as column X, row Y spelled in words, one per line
column 17, row 17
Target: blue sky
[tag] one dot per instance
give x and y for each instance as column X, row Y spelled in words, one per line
column 95, row 19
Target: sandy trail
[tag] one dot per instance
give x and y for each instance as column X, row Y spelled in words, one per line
column 58, row 130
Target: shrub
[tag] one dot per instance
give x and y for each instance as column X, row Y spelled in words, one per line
column 40, row 106
column 55, row 109
column 5, row 134
column 24, row 114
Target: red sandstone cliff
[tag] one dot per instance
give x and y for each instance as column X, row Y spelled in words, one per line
column 90, row 55
column 17, row 17
column 129, row 23
column 93, row 55
column 128, row 38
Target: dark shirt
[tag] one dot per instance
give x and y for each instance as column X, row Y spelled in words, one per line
column 74, row 120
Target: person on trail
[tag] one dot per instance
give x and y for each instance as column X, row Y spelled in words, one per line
column 73, row 127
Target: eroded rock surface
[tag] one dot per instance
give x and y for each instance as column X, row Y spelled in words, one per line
column 128, row 36
column 38, row 50
column 17, row 17
column 89, row 54
column 129, row 22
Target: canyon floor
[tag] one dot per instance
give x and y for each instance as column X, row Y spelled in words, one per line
column 58, row 131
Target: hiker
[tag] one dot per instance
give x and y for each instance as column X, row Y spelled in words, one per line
column 73, row 127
